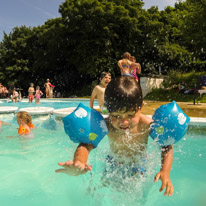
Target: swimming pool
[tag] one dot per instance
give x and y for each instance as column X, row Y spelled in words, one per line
column 55, row 103
column 28, row 177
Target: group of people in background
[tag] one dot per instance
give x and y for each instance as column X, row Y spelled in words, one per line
column 14, row 94
column 32, row 93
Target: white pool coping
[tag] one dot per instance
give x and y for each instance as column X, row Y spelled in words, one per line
column 63, row 112
column 8, row 109
column 197, row 120
column 37, row 110
column 192, row 119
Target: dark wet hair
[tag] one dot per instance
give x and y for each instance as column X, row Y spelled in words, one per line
column 123, row 93
column 103, row 74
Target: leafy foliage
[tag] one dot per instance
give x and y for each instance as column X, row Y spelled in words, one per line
column 91, row 35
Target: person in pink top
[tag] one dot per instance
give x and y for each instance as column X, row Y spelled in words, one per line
column 135, row 70
column 126, row 64
column 38, row 94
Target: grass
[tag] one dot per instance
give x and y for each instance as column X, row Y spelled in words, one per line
column 170, row 95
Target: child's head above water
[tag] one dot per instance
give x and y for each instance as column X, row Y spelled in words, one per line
column 23, row 118
column 103, row 74
column 123, row 93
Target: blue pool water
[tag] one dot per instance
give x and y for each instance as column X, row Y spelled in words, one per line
column 56, row 104
column 27, row 172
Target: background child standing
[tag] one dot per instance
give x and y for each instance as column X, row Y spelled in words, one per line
column 31, row 92
column 38, row 94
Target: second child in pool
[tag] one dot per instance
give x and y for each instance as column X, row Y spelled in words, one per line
column 24, row 121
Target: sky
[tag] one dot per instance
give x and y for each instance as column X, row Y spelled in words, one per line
column 37, row 12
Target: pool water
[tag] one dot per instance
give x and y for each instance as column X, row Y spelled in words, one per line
column 27, row 172
column 56, row 104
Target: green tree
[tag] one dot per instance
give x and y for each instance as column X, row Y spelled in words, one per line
column 98, row 32
column 15, row 57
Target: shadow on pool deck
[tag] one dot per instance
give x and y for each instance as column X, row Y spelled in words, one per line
column 197, row 110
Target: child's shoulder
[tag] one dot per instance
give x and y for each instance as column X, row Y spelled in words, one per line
column 98, row 87
column 145, row 119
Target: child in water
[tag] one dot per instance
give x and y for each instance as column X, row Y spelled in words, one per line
column 38, row 94
column 126, row 123
column 98, row 91
column 24, row 121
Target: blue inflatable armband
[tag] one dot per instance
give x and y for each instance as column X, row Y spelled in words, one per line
column 85, row 125
column 170, row 124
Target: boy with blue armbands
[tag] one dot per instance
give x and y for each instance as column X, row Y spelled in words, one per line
column 126, row 123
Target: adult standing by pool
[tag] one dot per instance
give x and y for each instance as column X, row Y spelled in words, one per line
column 47, row 88
column 125, row 64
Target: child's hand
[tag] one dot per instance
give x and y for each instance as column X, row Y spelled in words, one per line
column 166, row 182
column 73, row 168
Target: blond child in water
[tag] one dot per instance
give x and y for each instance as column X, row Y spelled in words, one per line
column 38, row 94
column 126, row 123
column 24, row 121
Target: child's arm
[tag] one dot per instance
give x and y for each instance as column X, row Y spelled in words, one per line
column 79, row 164
column 138, row 68
column 2, row 122
column 93, row 95
column 120, row 64
column 167, row 158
